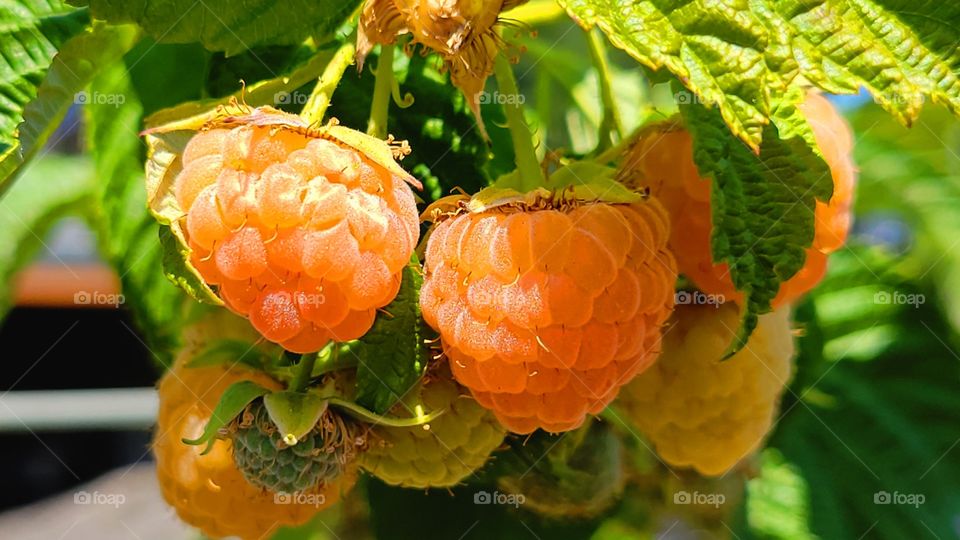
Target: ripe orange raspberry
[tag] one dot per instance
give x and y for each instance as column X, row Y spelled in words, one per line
column 544, row 313
column 441, row 453
column 664, row 162
column 208, row 491
column 304, row 235
column 703, row 412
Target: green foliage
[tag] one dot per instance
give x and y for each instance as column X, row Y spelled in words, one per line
column 71, row 70
column 870, row 430
column 177, row 268
column 762, row 205
column 738, row 56
column 128, row 233
column 31, row 33
column 392, row 355
column 874, row 406
column 225, row 25
column 229, row 352
column 49, row 190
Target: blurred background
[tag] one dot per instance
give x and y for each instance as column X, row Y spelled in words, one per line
column 867, row 446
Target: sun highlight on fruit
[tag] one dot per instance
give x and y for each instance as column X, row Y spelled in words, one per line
column 207, row 490
column 301, row 233
column 663, row 161
column 545, row 310
column 462, row 32
column 439, row 454
column 701, row 411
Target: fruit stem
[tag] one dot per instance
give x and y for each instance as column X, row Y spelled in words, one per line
column 316, row 106
column 333, row 360
column 382, row 93
column 531, row 175
column 304, row 372
column 616, row 151
column 611, row 123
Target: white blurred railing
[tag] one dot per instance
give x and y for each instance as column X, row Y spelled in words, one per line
column 70, row 410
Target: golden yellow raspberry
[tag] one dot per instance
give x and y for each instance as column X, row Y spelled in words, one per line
column 702, row 412
column 441, row 453
column 207, row 490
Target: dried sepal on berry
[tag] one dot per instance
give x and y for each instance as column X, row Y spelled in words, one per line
column 302, row 229
column 462, row 32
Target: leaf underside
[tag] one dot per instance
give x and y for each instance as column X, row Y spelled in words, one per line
column 762, row 205
column 739, row 54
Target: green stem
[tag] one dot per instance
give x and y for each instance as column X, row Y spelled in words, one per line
column 319, row 100
column 334, row 360
column 304, row 373
column 531, row 175
column 382, row 93
column 616, row 151
column 611, row 122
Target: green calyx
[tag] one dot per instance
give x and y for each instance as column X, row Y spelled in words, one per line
column 270, row 459
column 573, row 183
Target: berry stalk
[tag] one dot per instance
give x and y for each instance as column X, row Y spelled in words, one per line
column 531, row 176
column 377, row 125
column 319, row 99
column 304, row 371
column 611, row 122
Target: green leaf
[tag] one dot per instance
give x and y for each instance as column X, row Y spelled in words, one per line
column 777, row 500
column 50, row 188
column 233, row 401
column 73, row 67
column 127, row 232
column 762, row 205
column 178, row 269
column 225, row 25
column 31, row 32
column 874, row 422
column 294, row 413
column 229, row 351
column 737, row 55
column 392, row 355
column 715, row 49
